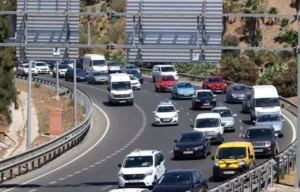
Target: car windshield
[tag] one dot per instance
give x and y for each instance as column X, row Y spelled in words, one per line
column 167, row 69
column 41, row 64
column 165, row 109
column 175, row 179
column 204, row 94
column 64, row 66
column 184, row 85
column 121, row 85
column 27, row 66
column 131, row 67
column 79, row 71
column 168, row 78
column 215, row 79
column 231, row 153
column 207, row 122
column 132, row 77
column 99, row 74
column 268, row 118
column 65, row 62
column 186, row 138
column 239, row 88
column 98, row 62
column 224, row 112
column 259, row 133
column 112, row 64
column 133, row 72
column 138, row 161
column 267, row 102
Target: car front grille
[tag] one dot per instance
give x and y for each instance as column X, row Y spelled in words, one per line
column 122, row 96
column 134, row 177
column 259, row 143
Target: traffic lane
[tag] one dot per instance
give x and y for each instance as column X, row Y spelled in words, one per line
column 113, row 141
column 33, row 180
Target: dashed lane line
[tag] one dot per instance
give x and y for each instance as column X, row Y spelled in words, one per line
column 106, row 188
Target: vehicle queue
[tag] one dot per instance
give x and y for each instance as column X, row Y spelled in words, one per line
column 147, row 168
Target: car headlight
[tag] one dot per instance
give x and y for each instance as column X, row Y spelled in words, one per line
column 176, row 148
column 131, row 94
column 113, row 95
column 213, row 99
column 217, row 164
column 148, row 173
column 267, row 143
column 176, row 115
column 157, row 116
column 121, row 174
column 198, row 100
column 198, row 148
column 233, row 95
column 242, row 163
column 217, row 131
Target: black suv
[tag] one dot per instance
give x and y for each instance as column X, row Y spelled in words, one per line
column 204, row 98
column 263, row 139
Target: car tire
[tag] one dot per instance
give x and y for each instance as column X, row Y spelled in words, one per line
column 205, row 154
column 132, row 103
column 53, row 75
column 216, row 178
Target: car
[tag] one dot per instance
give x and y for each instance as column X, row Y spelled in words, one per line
column 215, row 83
column 142, row 168
column 159, row 70
column 49, row 63
column 164, row 83
column 211, row 124
column 113, row 67
column 246, row 103
column 273, row 119
column 79, row 62
column 226, row 117
column 192, row 144
column 23, row 70
column 166, row 114
column 137, row 73
column 97, row 77
column 263, row 139
column 182, row 89
column 203, row 98
column 130, row 190
column 182, row 180
column 42, row 67
column 62, row 68
column 65, row 62
column 80, row 75
column 235, row 93
column 135, row 83
column 125, row 67
column 233, row 158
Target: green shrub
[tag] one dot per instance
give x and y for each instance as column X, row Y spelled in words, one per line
column 119, row 57
column 199, row 69
column 268, row 74
column 118, row 5
column 231, row 40
column 115, row 32
column 241, row 70
column 290, row 37
column 37, row 85
column 284, row 22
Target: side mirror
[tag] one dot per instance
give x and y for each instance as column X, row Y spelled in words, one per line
column 119, row 165
column 194, row 96
column 235, row 115
column 192, row 126
column 212, row 157
column 215, row 95
column 175, row 141
column 223, row 124
column 153, row 112
column 178, row 111
column 108, row 88
column 251, row 156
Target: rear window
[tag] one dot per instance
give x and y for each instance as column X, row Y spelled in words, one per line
column 215, row 79
column 167, row 69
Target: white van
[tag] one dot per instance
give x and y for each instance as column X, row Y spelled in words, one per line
column 264, row 98
column 94, row 62
column 120, row 89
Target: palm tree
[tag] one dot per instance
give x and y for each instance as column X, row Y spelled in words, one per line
column 230, row 6
column 273, row 20
column 251, row 24
column 296, row 4
column 290, row 37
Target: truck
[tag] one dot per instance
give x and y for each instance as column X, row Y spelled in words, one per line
column 94, row 62
column 264, row 98
column 120, row 89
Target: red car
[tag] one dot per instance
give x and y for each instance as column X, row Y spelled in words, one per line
column 165, row 83
column 215, row 83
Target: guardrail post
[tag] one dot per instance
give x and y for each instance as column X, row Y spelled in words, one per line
column 32, row 165
column 11, row 173
column 250, row 181
column 1, row 177
column 272, row 173
column 19, row 170
column 258, row 179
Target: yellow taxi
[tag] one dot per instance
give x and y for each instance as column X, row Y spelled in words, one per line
column 233, row 158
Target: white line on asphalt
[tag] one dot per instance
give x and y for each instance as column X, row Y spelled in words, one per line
column 32, row 190
column 53, row 182
column 156, row 95
column 71, row 175
column 106, row 187
column 191, row 120
column 241, row 127
column 145, row 91
column 84, row 169
column 77, row 172
column 220, row 104
column 240, row 135
column 181, row 108
column 97, row 163
column 240, row 120
column 61, row 179
column 78, row 157
column 91, row 166
column 187, row 113
column 171, row 151
column 175, row 103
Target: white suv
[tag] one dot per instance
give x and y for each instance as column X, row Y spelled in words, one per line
column 211, row 124
column 159, row 70
column 142, row 168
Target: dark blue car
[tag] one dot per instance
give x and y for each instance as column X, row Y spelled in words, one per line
column 181, row 180
column 80, row 75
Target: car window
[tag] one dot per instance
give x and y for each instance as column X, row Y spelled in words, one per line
column 167, row 69
column 138, row 161
column 207, row 122
column 224, row 112
column 198, row 175
column 167, row 78
column 268, row 118
column 184, row 85
column 157, row 162
column 204, row 94
column 249, row 153
column 259, row 133
column 215, row 79
column 195, row 178
column 239, row 88
column 175, row 179
column 161, row 157
column 41, row 64
column 165, row 109
column 231, row 153
column 132, row 77
column 185, row 138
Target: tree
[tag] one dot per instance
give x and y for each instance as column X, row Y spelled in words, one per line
column 230, row 6
column 231, row 40
column 290, row 37
column 240, row 70
column 273, row 20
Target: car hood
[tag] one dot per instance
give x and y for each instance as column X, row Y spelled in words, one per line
column 168, row 82
column 114, row 67
column 205, row 98
column 259, row 139
column 62, row 70
column 190, row 89
column 137, row 75
column 101, row 77
column 227, row 119
column 165, row 115
column 80, row 75
column 171, row 188
column 189, row 144
column 138, row 170
column 268, row 109
column 170, row 73
column 135, row 81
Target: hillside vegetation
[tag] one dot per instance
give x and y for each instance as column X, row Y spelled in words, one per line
column 251, row 67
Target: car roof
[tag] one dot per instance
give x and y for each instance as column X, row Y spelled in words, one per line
column 163, row 65
column 208, row 115
column 221, row 108
column 138, row 152
column 203, row 90
column 237, row 84
column 266, row 126
column 234, row 144
column 181, row 171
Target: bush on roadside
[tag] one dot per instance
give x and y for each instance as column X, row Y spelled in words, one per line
column 231, row 40
column 199, row 69
column 119, row 57
column 269, row 73
column 241, row 70
column 116, row 32
column 118, row 5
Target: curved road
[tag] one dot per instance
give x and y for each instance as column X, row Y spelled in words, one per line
column 116, row 131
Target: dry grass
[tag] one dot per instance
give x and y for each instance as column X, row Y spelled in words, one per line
column 289, row 179
column 44, row 100
column 293, row 99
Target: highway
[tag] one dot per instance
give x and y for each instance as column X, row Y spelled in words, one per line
column 116, row 131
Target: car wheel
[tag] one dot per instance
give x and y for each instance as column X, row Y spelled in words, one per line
column 205, row 154
column 53, row 74
column 132, row 103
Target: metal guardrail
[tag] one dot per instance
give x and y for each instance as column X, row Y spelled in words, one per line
column 42, row 154
column 262, row 176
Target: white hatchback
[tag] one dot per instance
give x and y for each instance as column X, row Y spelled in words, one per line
column 166, row 114
column 135, row 83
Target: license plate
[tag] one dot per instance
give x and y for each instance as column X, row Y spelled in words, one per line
column 186, row 94
column 228, row 172
column 206, row 104
column 240, row 98
column 218, row 90
column 166, row 119
column 258, row 150
column 133, row 181
column 188, row 152
column 122, row 101
column 208, row 137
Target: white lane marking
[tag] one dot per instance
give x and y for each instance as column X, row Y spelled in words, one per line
column 240, row 135
column 171, row 151
column 91, row 166
column 181, row 108
column 293, row 127
column 145, row 91
column 175, row 103
column 61, row 179
column 220, row 104
column 240, row 120
column 98, row 163
column 106, row 187
column 84, row 169
column 32, row 190
column 77, row 172
column 53, row 182
column 71, row 175
column 191, row 120
column 187, row 113
column 156, row 95
column 78, row 157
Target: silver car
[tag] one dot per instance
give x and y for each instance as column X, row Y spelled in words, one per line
column 113, row 67
column 227, row 118
column 235, row 93
column 273, row 119
column 97, row 77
